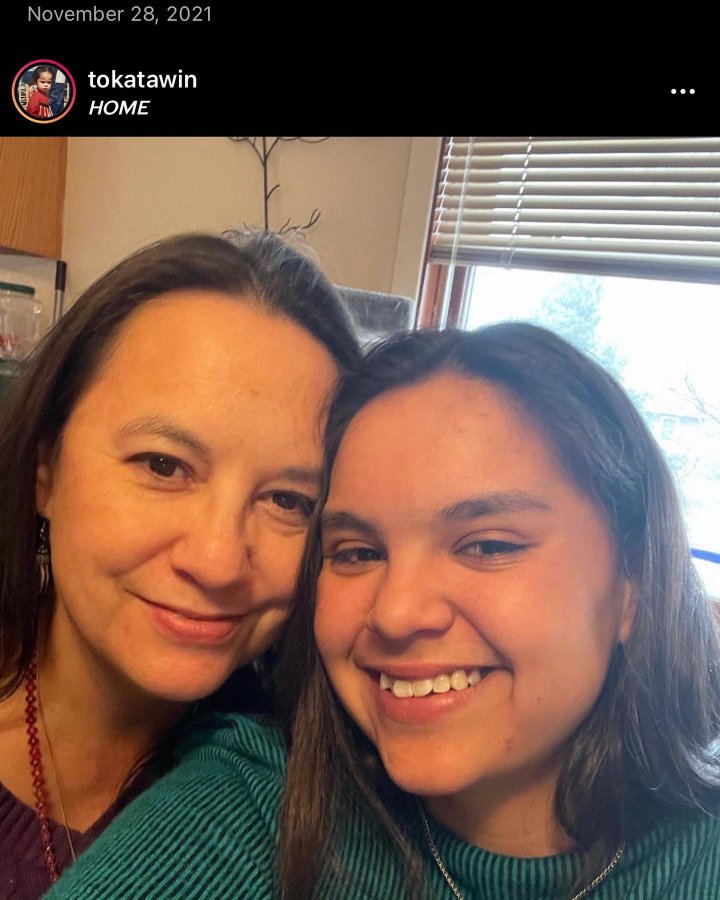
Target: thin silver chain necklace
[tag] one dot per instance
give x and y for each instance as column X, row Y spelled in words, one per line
column 459, row 894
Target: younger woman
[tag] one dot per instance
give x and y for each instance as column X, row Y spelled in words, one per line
column 501, row 682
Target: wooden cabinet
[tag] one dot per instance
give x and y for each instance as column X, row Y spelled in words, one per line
column 32, row 193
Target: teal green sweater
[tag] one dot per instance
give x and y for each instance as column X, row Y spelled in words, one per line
column 208, row 830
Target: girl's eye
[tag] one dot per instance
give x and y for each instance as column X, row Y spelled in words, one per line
column 162, row 465
column 350, row 557
column 490, row 548
column 288, row 501
column 357, row 555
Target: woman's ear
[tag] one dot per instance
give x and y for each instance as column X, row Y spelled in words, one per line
column 627, row 610
column 43, row 482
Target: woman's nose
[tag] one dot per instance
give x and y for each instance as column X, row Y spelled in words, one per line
column 409, row 603
column 215, row 547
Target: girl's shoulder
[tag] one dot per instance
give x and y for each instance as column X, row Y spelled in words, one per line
column 233, row 739
column 679, row 859
column 208, row 829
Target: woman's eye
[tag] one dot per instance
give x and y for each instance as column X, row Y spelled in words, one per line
column 490, row 548
column 166, row 466
column 162, row 465
column 293, row 503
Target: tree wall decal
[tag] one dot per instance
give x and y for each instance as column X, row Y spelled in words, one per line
column 263, row 148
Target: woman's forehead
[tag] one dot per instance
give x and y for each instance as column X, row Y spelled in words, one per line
column 212, row 358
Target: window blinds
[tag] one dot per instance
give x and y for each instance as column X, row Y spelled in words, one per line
column 616, row 206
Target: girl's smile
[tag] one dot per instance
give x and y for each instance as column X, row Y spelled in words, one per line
column 469, row 600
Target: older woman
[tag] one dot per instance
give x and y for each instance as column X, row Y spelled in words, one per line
column 501, row 680
column 158, row 466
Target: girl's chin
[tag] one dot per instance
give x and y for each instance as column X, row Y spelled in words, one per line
column 427, row 783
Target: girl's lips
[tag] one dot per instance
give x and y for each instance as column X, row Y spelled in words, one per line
column 417, row 671
column 428, row 709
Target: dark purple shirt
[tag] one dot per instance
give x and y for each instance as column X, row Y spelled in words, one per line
column 23, row 871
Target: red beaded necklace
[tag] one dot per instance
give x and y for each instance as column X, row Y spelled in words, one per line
column 36, row 768
column 33, row 713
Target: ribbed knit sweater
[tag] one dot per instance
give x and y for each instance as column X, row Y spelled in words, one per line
column 208, row 830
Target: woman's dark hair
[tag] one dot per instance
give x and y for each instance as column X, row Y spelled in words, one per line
column 651, row 741
column 260, row 267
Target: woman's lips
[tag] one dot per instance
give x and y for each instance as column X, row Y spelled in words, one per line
column 190, row 627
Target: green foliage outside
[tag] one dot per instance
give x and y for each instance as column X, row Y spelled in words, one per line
column 573, row 311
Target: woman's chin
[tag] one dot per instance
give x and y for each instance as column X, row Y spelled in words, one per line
column 176, row 687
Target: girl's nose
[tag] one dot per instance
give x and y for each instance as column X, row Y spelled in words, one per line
column 408, row 603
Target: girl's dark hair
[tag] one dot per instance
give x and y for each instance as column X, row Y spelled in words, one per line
column 651, row 741
column 38, row 70
column 259, row 267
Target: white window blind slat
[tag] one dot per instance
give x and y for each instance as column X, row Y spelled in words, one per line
column 622, row 205
column 617, row 188
column 611, row 204
column 582, row 145
column 651, row 218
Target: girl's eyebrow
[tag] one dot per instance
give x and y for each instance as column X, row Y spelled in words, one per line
column 489, row 504
column 470, row 508
column 337, row 520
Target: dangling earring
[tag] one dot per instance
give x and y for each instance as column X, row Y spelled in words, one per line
column 42, row 556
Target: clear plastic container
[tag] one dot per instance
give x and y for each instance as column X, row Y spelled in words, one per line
column 20, row 315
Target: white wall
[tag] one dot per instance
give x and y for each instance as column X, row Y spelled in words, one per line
column 373, row 193
column 415, row 218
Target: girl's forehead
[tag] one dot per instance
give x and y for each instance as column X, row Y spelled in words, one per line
column 441, row 440
column 447, row 424
column 439, row 407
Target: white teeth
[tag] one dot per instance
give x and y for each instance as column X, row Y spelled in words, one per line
column 422, row 688
column 402, row 688
column 459, row 680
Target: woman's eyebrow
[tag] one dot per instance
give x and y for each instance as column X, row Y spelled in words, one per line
column 166, row 428
column 489, row 504
column 301, row 474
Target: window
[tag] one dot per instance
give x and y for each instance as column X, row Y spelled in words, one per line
column 615, row 245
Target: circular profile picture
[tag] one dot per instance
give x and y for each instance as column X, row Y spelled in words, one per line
column 43, row 91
